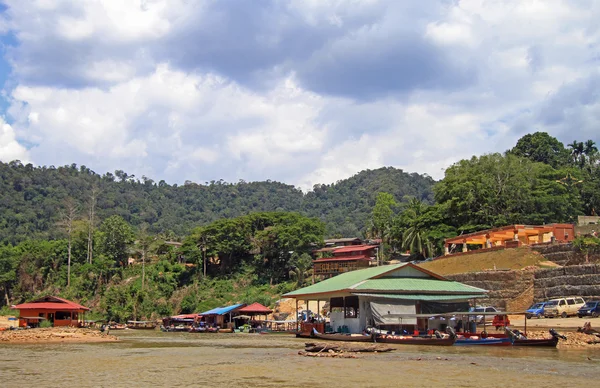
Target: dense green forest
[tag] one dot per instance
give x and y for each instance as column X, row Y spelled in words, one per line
column 69, row 231
column 31, row 199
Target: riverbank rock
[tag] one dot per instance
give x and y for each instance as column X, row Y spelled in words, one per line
column 574, row 340
column 55, row 335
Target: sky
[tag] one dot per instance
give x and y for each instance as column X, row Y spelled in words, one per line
column 303, row 92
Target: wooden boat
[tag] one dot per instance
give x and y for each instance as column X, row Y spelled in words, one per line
column 334, row 336
column 518, row 339
column 489, row 341
column 543, row 342
column 117, row 326
column 408, row 340
column 141, row 325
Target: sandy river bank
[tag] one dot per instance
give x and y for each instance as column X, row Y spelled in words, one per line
column 55, row 335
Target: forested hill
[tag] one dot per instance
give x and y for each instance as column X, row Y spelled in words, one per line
column 33, row 199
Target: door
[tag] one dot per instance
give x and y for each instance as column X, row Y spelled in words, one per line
column 51, row 318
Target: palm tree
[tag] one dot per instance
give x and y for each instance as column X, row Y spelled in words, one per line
column 590, row 148
column 415, row 236
column 577, row 151
column 301, row 267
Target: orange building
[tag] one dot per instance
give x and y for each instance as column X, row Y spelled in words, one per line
column 512, row 236
column 60, row 312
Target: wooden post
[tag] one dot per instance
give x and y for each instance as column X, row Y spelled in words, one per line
column 318, row 308
column 297, row 328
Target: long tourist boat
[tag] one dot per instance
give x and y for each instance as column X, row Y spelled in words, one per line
column 411, row 340
column 519, row 339
column 141, row 325
column 335, row 337
column 479, row 341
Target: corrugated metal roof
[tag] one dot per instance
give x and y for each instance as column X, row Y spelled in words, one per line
column 342, row 258
column 422, row 296
column 51, row 303
column 354, row 248
column 345, row 280
column 222, row 310
column 416, row 284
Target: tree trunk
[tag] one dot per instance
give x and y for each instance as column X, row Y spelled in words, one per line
column 69, row 263
column 6, row 296
column 143, row 268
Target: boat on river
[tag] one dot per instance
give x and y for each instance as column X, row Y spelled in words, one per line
column 480, row 341
column 412, row 340
column 335, row 336
column 141, row 325
column 518, row 339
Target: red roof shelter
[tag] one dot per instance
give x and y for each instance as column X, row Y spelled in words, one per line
column 255, row 309
column 60, row 312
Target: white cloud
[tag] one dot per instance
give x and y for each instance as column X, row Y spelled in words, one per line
column 10, row 149
column 303, row 92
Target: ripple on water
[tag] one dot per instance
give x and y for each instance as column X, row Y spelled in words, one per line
column 184, row 359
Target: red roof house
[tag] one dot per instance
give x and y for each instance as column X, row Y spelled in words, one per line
column 345, row 259
column 60, row 312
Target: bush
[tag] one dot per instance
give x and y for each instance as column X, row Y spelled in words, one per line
column 46, row 323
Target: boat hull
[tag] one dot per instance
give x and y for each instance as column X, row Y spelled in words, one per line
column 417, row 341
column 544, row 342
column 491, row 341
column 335, row 337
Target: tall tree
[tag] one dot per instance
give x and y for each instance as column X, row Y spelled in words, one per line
column 92, row 219
column 495, row 190
column 68, row 217
column 543, row 148
column 383, row 214
column 116, row 237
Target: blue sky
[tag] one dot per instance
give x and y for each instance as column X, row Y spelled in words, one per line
column 303, row 92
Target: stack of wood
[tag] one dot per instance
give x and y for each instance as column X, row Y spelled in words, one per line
column 341, row 349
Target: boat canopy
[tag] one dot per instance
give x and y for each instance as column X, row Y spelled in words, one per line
column 393, row 314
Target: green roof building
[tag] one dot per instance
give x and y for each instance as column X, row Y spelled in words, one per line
column 389, row 296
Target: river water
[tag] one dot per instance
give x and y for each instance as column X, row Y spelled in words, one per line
column 145, row 358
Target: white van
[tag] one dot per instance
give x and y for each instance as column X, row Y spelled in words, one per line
column 563, row 307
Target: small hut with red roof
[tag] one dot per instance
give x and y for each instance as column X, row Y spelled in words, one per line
column 255, row 309
column 58, row 311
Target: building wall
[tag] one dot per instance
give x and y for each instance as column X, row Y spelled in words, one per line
column 408, row 272
column 46, row 314
column 336, row 319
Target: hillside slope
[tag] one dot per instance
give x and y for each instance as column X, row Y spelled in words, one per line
column 31, row 199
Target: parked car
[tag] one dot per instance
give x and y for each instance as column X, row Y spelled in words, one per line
column 484, row 309
column 563, row 307
column 591, row 308
column 536, row 310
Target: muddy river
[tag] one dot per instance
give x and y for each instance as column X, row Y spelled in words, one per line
column 238, row 360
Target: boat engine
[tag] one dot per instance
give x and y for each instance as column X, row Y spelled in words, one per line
column 556, row 334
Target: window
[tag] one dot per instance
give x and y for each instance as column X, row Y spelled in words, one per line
column 579, row 300
column 571, row 302
column 562, row 303
column 63, row 315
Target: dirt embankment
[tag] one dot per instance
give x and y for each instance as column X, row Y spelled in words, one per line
column 55, row 335
column 497, row 260
column 573, row 341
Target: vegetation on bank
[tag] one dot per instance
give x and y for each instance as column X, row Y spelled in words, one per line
column 71, row 232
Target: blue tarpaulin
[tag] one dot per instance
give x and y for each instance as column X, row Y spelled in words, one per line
column 222, row 310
